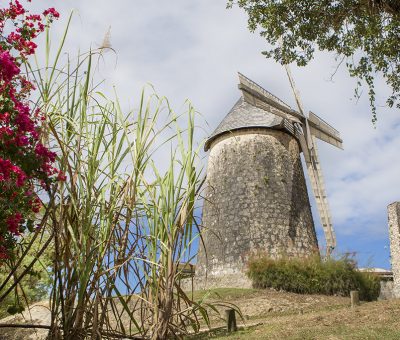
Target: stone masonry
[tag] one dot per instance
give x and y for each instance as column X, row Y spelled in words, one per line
column 256, row 201
column 394, row 235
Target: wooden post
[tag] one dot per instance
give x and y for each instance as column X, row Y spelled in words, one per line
column 231, row 320
column 355, row 300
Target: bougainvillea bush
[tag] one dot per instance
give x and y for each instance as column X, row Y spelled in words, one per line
column 26, row 164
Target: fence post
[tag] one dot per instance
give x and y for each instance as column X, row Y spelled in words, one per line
column 355, row 300
column 231, row 320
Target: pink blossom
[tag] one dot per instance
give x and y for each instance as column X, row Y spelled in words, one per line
column 51, row 11
column 8, row 69
column 24, row 161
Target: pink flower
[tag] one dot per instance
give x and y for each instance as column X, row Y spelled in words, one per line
column 61, row 176
column 24, row 162
column 21, row 140
column 8, row 69
column 13, row 223
column 45, row 153
column 24, row 122
column 3, row 252
column 52, row 12
column 5, row 117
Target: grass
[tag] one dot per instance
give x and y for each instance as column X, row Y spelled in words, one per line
column 325, row 317
column 372, row 320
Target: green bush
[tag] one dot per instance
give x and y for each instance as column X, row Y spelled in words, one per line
column 35, row 286
column 313, row 276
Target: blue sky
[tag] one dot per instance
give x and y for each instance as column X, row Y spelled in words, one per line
column 194, row 49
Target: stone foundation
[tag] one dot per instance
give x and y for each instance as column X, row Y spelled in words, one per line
column 238, row 280
column 386, row 292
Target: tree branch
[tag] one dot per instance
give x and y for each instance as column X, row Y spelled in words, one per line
column 389, row 6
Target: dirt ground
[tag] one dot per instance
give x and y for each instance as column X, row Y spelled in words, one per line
column 374, row 320
column 276, row 315
column 255, row 304
column 313, row 317
column 37, row 314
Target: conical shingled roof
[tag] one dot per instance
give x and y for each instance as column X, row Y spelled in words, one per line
column 244, row 115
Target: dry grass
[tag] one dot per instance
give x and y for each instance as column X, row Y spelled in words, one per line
column 329, row 318
column 292, row 316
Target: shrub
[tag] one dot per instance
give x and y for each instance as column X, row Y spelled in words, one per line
column 312, row 276
column 36, row 284
column 26, row 164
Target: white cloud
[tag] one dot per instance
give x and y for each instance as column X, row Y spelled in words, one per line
column 193, row 49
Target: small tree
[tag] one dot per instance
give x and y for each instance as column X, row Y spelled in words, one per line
column 35, row 285
column 26, row 164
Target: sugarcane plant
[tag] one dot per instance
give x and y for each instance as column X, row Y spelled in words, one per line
column 124, row 218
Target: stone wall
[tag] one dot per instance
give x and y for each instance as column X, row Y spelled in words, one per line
column 394, row 235
column 386, row 290
column 256, row 201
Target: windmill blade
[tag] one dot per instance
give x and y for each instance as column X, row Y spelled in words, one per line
column 252, row 87
column 306, row 126
column 304, row 143
column 259, row 97
column 322, row 130
column 318, row 187
column 309, row 147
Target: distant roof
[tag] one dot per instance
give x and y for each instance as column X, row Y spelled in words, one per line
column 374, row 270
column 384, row 274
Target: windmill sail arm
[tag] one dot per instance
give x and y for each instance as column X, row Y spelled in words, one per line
column 249, row 85
column 323, row 210
column 328, row 138
column 314, row 127
column 322, row 130
column 255, row 95
column 318, row 188
column 304, row 144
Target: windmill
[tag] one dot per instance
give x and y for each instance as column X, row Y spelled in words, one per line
column 308, row 129
column 256, row 198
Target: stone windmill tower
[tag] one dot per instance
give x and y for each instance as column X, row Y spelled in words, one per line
column 256, row 196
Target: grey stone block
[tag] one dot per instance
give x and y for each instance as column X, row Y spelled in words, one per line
column 394, row 236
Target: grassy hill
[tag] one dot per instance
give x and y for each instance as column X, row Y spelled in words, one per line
column 281, row 315
column 269, row 314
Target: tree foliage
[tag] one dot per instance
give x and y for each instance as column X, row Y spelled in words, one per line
column 26, row 163
column 364, row 34
column 36, row 283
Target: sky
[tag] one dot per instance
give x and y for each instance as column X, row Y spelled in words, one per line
column 194, row 49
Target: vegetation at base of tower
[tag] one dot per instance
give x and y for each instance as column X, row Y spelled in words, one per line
column 363, row 34
column 313, row 276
